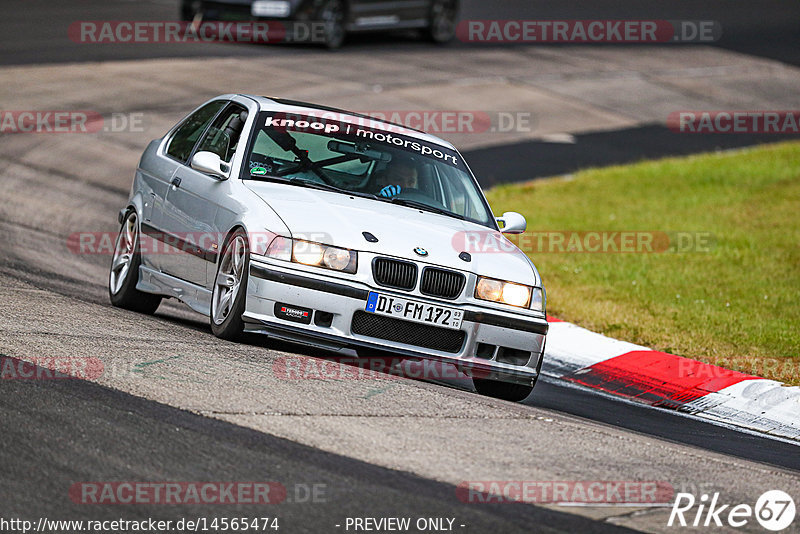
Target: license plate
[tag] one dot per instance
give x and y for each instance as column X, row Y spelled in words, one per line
column 411, row 310
column 270, row 8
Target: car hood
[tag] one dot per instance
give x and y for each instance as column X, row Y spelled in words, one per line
column 340, row 220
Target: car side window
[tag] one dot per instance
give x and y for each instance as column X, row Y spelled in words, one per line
column 183, row 140
column 223, row 136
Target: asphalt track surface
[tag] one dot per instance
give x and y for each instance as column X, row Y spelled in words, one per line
column 379, row 452
column 769, row 29
column 197, row 408
column 116, row 436
column 38, row 33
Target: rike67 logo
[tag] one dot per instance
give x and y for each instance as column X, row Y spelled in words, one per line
column 774, row 510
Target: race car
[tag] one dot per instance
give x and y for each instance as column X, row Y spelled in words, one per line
column 321, row 226
column 436, row 18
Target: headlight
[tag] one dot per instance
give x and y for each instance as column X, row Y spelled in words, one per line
column 503, row 292
column 314, row 254
column 307, row 253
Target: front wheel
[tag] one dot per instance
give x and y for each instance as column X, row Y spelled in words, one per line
column 124, row 273
column 230, row 288
column 442, row 20
column 502, row 390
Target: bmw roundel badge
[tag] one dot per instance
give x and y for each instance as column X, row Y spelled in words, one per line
column 421, row 251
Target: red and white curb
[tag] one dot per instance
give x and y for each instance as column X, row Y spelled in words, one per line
column 636, row 373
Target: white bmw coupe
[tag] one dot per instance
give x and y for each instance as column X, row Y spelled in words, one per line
column 330, row 228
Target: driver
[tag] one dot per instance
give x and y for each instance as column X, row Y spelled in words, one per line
column 402, row 175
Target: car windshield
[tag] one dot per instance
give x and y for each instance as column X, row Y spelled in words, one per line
column 383, row 164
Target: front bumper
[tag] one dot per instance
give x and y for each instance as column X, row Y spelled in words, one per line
column 242, row 11
column 489, row 337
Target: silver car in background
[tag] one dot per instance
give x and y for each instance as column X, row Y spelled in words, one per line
column 325, row 227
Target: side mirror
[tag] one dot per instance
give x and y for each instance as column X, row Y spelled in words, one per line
column 512, row 223
column 210, row 163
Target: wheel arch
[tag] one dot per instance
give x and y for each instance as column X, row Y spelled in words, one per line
column 135, row 203
column 239, row 225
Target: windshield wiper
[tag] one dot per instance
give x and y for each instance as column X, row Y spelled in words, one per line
column 426, row 207
column 326, row 187
column 316, row 185
column 266, row 178
column 301, row 182
column 298, row 181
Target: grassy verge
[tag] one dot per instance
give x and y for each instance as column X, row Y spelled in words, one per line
column 733, row 301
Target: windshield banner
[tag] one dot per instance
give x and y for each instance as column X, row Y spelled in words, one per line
column 363, row 132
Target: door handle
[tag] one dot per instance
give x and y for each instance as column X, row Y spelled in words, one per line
column 176, row 183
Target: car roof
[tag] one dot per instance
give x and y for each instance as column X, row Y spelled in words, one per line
column 296, row 106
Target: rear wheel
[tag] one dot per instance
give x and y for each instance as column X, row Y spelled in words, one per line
column 333, row 17
column 442, row 20
column 502, row 390
column 124, row 274
column 230, row 288
column 189, row 9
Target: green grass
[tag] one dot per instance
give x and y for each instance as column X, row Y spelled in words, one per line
column 736, row 305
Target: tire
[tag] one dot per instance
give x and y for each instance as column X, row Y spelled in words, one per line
column 187, row 10
column 192, row 12
column 442, row 21
column 229, row 292
column 502, row 390
column 124, row 272
column 333, row 15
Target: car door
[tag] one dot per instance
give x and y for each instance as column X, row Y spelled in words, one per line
column 177, row 150
column 193, row 201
